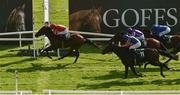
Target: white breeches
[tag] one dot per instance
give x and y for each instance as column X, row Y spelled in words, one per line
column 137, row 45
column 165, row 32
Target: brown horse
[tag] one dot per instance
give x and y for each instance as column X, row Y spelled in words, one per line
column 86, row 20
column 73, row 43
column 173, row 43
column 151, row 56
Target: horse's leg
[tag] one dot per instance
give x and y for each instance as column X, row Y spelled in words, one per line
column 47, row 49
column 134, row 71
column 48, row 55
column 77, row 55
column 69, row 53
column 165, row 65
column 126, row 71
column 161, row 70
column 145, row 65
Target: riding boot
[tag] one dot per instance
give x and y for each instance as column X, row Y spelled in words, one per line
column 165, row 38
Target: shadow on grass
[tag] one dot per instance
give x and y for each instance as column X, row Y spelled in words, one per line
column 109, row 84
column 112, row 75
column 120, row 81
column 39, row 67
column 126, row 83
column 17, row 62
column 8, row 55
column 5, row 47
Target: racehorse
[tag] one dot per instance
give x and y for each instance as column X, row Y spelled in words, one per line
column 173, row 43
column 151, row 56
column 16, row 20
column 86, row 20
column 73, row 43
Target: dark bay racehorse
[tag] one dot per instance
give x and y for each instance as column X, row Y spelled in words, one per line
column 86, row 20
column 73, row 43
column 151, row 56
column 173, row 43
column 151, row 43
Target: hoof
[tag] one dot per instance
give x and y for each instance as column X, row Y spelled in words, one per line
column 172, row 69
column 140, row 75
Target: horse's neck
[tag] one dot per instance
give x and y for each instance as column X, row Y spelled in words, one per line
column 118, row 50
column 51, row 36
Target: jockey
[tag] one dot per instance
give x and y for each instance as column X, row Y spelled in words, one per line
column 136, row 33
column 131, row 42
column 60, row 30
column 160, row 31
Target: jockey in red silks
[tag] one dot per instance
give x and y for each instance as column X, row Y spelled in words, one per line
column 60, row 30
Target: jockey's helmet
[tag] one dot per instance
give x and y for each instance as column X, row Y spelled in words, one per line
column 130, row 30
column 125, row 37
column 154, row 27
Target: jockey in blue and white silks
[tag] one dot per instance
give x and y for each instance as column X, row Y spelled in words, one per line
column 132, row 42
column 136, row 33
column 160, row 30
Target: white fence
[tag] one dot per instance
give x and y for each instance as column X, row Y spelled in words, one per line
column 80, row 92
column 90, row 33
column 20, row 92
column 20, row 39
column 36, row 47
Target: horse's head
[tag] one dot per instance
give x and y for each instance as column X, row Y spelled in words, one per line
column 43, row 31
column 117, row 37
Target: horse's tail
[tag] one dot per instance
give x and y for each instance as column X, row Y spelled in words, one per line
column 163, row 47
column 168, row 54
column 88, row 41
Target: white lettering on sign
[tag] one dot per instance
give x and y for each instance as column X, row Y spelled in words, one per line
column 141, row 17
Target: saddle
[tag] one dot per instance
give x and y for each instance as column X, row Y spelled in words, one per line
column 166, row 38
column 64, row 37
column 138, row 52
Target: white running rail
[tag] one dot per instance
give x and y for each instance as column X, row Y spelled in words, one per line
column 78, row 92
column 20, row 92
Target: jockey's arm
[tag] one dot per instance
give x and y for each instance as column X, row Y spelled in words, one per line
column 127, row 44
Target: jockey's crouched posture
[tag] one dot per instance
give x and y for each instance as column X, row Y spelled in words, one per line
column 138, row 34
column 160, row 31
column 132, row 43
column 60, row 30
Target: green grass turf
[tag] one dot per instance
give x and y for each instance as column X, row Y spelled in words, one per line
column 93, row 71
